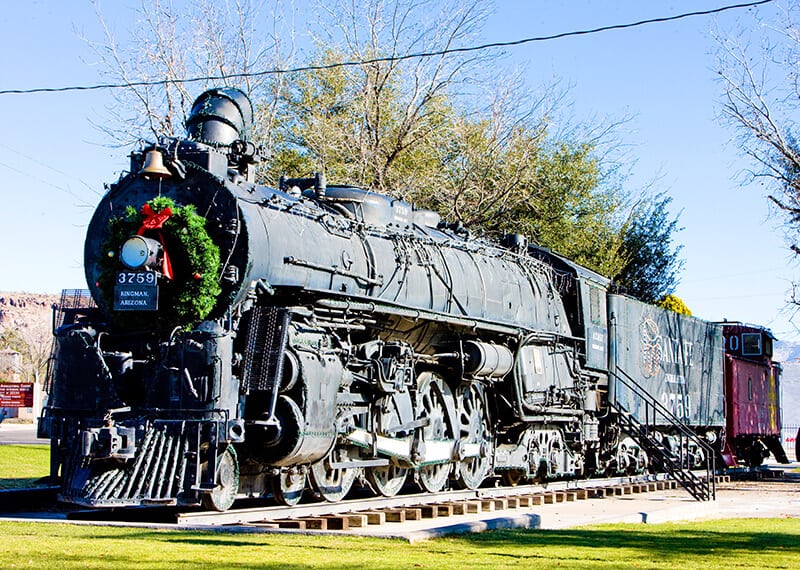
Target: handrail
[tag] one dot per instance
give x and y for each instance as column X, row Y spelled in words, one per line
column 652, row 408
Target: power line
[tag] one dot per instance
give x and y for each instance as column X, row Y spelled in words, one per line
column 43, row 164
column 64, row 189
column 387, row 59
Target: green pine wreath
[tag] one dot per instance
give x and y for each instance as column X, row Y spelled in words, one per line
column 192, row 293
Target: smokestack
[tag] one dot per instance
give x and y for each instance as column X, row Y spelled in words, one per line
column 220, row 116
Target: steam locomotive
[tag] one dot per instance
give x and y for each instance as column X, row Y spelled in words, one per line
column 271, row 342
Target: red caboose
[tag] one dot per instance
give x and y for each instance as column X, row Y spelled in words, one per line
column 752, row 397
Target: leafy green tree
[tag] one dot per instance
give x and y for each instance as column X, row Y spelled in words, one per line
column 401, row 128
column 10, row 341
column 652, row 262
column 574, row 213
column 377, row 124
column 338, row 121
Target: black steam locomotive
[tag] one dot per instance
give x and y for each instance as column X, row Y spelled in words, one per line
column 251, row 341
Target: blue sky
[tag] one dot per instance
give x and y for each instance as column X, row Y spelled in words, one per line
column 53, row 162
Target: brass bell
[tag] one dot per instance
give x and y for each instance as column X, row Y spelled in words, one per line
column 154, row 165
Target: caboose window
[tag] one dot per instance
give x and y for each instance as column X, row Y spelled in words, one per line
column 751, row 344
column 767, row 346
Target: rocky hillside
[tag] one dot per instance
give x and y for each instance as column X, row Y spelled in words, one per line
column 23, row 310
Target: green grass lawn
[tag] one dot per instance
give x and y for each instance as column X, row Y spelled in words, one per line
column 728, row 544
column 23, row 465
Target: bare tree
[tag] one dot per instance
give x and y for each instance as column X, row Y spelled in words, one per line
column 33, row 341
column 760, row 75
column 211, row 43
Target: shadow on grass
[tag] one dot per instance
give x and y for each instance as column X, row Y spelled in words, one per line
column 23, row 483
column 659, row 541
column 623, row 546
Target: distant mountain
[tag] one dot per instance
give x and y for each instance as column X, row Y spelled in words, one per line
column 788, row 354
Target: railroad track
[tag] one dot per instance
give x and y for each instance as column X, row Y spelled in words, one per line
column 403, row 508
column 369, row 511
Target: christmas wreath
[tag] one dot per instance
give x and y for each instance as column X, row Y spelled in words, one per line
column 189, row 284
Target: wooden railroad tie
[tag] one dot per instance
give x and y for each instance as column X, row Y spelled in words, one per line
column 444, row 510
column 428, row 511
column 487, row 505
column 374, row 517
column 469, row 506
column 357, row 520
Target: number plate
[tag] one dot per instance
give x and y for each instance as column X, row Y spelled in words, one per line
column 136, row 291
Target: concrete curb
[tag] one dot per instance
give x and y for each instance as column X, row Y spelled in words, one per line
column 531, row 521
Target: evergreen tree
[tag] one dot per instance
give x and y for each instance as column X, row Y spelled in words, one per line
column 651, row 264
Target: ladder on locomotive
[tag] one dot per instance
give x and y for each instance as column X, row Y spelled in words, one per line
column 702, row 488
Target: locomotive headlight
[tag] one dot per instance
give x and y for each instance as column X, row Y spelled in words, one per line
column 139, row 252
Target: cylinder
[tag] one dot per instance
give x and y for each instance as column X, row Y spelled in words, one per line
column 486, row 359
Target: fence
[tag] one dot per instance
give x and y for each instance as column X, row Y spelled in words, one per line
column 788, row 440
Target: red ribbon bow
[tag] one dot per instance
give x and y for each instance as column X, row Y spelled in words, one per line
column 154, row 221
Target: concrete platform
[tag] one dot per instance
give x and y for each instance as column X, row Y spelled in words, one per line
column 734, row 500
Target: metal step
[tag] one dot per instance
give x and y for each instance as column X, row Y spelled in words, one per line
column 701, row 488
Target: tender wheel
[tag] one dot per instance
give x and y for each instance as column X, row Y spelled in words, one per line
column 288, row 486
column 474, row 431
column 332, row 483
column 432, row 405
column 388, row 480
column 223, row 495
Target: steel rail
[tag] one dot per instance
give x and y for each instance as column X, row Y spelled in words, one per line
column 258, row 514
